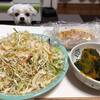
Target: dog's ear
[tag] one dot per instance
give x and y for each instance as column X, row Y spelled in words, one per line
column 33, row 10
column 11, row 11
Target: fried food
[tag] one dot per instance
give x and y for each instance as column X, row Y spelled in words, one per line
column 75, row 34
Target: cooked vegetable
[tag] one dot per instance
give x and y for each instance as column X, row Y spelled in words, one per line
column 27, row 63
column 89, row 63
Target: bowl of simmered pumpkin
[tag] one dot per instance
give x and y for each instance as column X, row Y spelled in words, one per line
column 85, row 62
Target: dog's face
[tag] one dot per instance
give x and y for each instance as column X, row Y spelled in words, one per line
column 22, row 13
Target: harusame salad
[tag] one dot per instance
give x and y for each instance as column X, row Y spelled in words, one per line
column 27, row 63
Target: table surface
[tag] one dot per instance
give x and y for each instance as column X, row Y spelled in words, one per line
column 70, row 85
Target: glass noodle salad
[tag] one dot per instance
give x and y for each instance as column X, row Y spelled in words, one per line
column 27, row 63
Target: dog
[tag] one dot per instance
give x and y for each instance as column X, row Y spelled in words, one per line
column 22, row 13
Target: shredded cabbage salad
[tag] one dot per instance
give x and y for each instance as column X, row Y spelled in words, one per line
column 27, row 63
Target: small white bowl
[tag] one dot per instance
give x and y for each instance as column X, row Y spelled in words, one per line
column 75, row 54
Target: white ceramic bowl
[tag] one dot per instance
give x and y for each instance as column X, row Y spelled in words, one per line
column 75, row 54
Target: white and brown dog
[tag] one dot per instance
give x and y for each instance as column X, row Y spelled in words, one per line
column 22, row 13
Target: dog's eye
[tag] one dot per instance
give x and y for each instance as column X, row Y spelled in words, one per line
column 16, row 14
column 27, row 14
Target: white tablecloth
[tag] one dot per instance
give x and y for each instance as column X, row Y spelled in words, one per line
column 70, row 85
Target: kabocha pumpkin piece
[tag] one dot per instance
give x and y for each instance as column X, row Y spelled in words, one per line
column 89, row 63
column 90, row 54
column 83, row 66
column 97, row 68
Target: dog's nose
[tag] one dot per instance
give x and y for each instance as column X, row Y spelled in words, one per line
column 22, row 19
